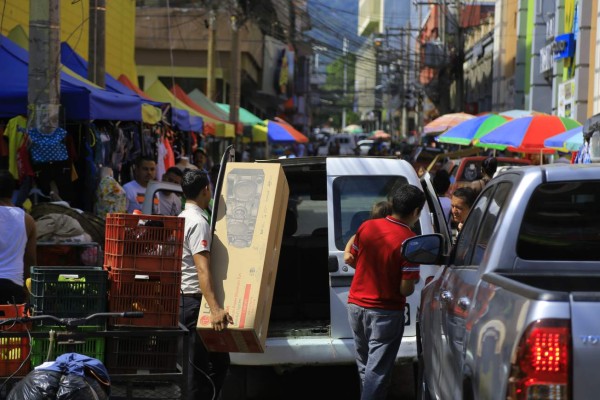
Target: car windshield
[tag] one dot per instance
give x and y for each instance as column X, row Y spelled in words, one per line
column 562, row 222
column 354, row 197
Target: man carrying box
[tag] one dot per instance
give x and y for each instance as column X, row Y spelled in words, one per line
column 207, row 370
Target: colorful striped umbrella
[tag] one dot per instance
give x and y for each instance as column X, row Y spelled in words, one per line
column 277, row 132
column 527, row 134
column 468, row 131
column 571, row 140
column 445, row 122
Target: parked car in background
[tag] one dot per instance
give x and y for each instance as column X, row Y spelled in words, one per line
column 511, row 313
column 363, row 147
column 345, row 143
column 468, row 169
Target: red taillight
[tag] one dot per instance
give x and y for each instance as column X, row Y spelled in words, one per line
column 541, row 369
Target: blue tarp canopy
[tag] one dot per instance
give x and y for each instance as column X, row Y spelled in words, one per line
column 180, row 118
column 70, row 59
column 81, row 100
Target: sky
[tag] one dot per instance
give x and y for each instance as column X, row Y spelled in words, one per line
column 332, row 20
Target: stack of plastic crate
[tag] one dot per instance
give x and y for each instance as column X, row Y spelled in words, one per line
column 142, row 255
column 14, row 345
column 68, row 292
column 72, row 254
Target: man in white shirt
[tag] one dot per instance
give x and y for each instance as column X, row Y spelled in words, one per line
column 207, row 372
column 169, row 203
column 144, row 171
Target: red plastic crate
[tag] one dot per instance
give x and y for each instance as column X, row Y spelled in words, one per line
column 14, row 349
column 143, row 242
column 155, row 293
column 73, row 254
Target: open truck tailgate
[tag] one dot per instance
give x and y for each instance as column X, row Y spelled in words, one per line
column 585, row 328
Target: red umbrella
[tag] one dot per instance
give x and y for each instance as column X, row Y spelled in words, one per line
column 380, row 135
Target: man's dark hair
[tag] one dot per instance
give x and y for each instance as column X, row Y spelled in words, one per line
column 441, row 182
column 406, row 198
column 467, row 194
column 194, row 180
column 174, row 171
column 489, row 166
column 7, row 184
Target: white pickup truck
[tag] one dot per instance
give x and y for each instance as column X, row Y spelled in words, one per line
column 329, row 198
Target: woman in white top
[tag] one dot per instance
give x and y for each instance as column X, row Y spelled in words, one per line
column 17, row 244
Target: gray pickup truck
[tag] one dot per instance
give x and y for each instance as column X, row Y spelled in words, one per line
column 513, row 313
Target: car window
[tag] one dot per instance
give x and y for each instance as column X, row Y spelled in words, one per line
column 465, row 242
column 562, row 223
column 489, row 221
column 353, row 197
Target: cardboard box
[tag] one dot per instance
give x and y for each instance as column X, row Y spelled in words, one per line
column 244, row 255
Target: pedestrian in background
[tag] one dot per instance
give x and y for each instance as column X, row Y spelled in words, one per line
column 382, row 281
column 441, row 184
column 488, row 169
column 169, row 203
column 207, row 370
column 144, row 170
column 462, row 200
column 17, row 244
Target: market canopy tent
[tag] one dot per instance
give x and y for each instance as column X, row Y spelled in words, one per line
column 81, row 100
column 223, row 128
column 79, row 65
column 200, row 99
column 158, row 91
column 246, row 117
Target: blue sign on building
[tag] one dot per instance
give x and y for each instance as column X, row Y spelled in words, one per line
column 564, row 46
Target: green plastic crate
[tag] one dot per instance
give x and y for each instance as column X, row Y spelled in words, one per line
column 68, row 292
column 93, row 346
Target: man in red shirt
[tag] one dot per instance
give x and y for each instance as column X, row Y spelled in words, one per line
column 382, row 280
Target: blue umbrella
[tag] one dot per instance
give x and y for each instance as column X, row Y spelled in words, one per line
column 570, row 140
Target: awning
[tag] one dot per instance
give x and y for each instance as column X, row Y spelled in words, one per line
column 246, row 117
column 81, row 99
column 160, row 92
column 79, row 65
column 223, row 128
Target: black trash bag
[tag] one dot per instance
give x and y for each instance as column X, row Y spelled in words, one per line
column 37, row 385
column 50, row 385
column 75, row 387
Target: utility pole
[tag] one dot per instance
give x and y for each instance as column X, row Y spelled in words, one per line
column 211, row 81
column 345, row 52
column 234, row 90
column 461, row 59
column 97, row 42
column 43, row 71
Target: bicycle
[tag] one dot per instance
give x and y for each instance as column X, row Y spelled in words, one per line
column 70, row 339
